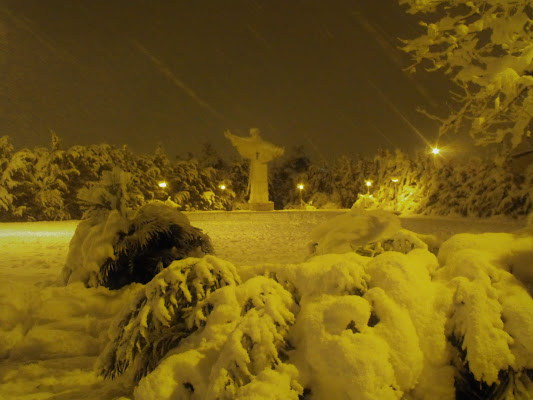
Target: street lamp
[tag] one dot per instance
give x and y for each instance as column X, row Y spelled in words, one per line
column 222, row 187
column 368, row 184
column 300, row 187
column 162, row 184
column 435, row 150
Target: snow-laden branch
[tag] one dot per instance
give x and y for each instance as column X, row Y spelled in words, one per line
column 486, row 48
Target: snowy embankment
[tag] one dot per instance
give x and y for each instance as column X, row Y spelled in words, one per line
column 50, row 335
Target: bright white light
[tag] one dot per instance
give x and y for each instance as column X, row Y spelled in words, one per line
column 223, row 187
column 300, row 186
column 395, row 180
column 435, row 150
column 162, row 184
column 368, row 183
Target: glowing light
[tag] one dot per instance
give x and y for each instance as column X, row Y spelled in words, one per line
column 162, row 184
column 300, row 186
column 368, row 183
column 435, row 150
column 35, row 230
column 395, row 180
column 223, row 187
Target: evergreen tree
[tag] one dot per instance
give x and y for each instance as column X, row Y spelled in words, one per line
column 286, row 174
column 114, row 245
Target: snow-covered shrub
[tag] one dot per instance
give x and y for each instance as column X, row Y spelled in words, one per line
column 357, row 347
column 196, row 188
column 423, row 185
column 491, row 314
column 366, row 201
column 351, row 339
column 471, row 303
column 257, row 343
column 43, row 183
column 351, row 230
column 402, row 241
column 169, row 308
column 156, row 236
column 18, row 179
column 105, row 220
column 6, row 198
column 367, row 232
column 114, row 191
column 114, row 246
column 91, row 246
column 6, row 201
column 247, row 348
column 343, row 326
column 39, row 182
column 206, row 335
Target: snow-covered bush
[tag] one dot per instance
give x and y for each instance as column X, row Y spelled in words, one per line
column 6, row 202
column 156, row 236
column 351, row 230
column 368, row 233
column 113, row 246
column 423, row 185
column 43, row 183
column 400, row 323
column 491, row 313
column 18, row 179
column 205, row 335
column 166, row 310
column 314, row 328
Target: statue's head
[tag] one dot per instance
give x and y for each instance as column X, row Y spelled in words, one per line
column 254, row 132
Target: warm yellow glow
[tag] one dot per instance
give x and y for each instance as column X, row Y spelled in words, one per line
column 395, row 180
column 223, row 187
column 435, row 150
column 300, row 186
column 368, row 183
column 30, row 230
column 162, row 184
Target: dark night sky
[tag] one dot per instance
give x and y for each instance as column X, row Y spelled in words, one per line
column 325, row 74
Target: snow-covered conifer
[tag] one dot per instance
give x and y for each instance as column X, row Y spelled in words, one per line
column 114, row 245
column 168, row 309
column 490, row 321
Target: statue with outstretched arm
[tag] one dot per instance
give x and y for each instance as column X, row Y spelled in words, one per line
column 259, row 152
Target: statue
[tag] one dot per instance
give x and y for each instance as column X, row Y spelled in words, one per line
column 259, row 152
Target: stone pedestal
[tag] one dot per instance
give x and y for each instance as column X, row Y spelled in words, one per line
column 267, row 206
column 258, row 182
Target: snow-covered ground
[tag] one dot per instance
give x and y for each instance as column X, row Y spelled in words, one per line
column 50, row 335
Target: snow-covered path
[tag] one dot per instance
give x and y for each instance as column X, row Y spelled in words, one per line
column 50, row 335
column 281, row 236
column 35, row 252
